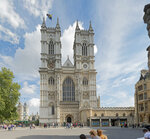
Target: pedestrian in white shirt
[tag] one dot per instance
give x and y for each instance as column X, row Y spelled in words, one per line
column 146, row 133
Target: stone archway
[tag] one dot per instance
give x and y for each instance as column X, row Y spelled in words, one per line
column 69, row 119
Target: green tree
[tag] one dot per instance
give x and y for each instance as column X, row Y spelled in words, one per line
column 9, row 95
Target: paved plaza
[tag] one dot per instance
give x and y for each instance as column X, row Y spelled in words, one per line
column 61, row 133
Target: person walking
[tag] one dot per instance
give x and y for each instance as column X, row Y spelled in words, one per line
column 100, row 134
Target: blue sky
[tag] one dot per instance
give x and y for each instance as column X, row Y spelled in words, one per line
column 120, row 43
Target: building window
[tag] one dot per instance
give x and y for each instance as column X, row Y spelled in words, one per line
column 141, row 97
column 51, row 48
column 85, row 81
column 140, row 88
column 145, row 95
column 124, row 114
column 146, row 106
column 84, row 49
column 141, row 107
column 95, row 115
column 53, row 110
column 117, row 115
column 68, row 90
column 102, row 115
column 51, row 81
column 145, row 86
column 131, row 114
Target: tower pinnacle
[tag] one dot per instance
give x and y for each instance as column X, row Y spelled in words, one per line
column 57, row 25
column 90, row 27
column 77, row 26
column 43, row 24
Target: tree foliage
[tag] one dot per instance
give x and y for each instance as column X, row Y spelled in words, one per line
column 9, row 95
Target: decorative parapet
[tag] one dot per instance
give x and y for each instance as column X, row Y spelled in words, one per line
column 114, row 108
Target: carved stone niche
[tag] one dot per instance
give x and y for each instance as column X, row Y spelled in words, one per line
column 86, row 95
column 51, row 95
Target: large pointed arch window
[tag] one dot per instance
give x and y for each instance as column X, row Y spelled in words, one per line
column 84, row 49
column 51, row 47
column 68, row 90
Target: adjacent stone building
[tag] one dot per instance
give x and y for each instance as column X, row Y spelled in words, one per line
column 23, row 112
column 142, row 87
column 68, row 91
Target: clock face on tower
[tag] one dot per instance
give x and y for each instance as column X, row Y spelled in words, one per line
column 85, row 66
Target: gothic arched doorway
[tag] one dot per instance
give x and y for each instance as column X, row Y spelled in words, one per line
column 68, row 119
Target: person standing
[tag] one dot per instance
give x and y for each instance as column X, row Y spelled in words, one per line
column 146, row 133
column 100, row 134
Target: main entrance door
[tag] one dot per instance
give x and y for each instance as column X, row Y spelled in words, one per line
column 69, row 120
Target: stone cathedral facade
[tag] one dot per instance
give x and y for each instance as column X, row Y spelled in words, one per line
column 68, row 90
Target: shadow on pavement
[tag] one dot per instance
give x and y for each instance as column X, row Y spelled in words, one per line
column 48, row 137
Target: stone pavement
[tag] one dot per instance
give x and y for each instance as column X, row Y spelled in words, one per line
column 61, row 133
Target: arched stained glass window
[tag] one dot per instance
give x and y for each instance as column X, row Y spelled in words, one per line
column 84, row 49
column 51, row 81
column 85, row 81
column 68, row 90
column 51, row 47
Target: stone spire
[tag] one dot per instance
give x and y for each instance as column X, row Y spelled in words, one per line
column 146, row 19
column 77, row 26
column 57, row 25
column 43, row 24
column 90, row 27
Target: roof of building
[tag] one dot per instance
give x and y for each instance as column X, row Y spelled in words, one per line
column 68, row 63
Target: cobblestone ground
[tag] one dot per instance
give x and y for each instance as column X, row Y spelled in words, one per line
column 61, row 133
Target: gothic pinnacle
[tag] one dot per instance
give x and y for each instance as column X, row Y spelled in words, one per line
column 43, row 24
column 90, row 27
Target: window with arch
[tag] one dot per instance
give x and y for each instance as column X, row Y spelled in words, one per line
column 51, row 81
column 53, row 110
column 131, row 114
column 85, row 81
column 68, row 90
column 51, row 47
column 84, row 49
column 102, row 115
column 124, row 114
column 117, row 115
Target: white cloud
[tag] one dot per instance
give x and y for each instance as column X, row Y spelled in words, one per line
column 67, row 40
column 95, row 49
column 38, row 7
column 120, row 60
column 7, row 35
column 34, row 104
column 26, row 62
column 9, row 15
column 124, row 19
column 28, row 89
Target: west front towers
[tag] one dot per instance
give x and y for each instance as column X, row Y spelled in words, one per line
column 68, row 89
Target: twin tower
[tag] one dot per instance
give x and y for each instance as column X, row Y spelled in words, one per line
column 67, row 90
